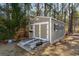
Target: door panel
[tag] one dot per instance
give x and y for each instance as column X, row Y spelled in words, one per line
column 36, row 30
column 41, row 31
column 44, row 31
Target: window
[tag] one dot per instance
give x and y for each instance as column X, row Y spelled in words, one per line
column 58, row 27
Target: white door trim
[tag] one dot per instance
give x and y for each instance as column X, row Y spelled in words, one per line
column 33, row 30
column 42, row 23
column 50, row 30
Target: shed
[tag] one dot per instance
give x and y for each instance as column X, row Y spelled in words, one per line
column 46, row 28
column 42, row 30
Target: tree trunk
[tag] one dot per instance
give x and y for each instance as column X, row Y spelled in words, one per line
column 70, row 29
column 45, row 9
column 38, row 9
column 7, row 11
column 57, row 11
column 65, row 17
column 54, row 11
column 62, row 11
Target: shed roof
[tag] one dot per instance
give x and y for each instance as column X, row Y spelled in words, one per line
column 33, row 18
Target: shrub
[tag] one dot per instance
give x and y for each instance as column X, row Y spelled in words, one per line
column 3, row 33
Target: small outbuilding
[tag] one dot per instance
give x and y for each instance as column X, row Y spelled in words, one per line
column 42, row 30
column 46, row 28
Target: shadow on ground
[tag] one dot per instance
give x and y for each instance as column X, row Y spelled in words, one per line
column 68, row 47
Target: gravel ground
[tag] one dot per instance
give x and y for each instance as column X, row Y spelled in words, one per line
column 68, row 47
column 7, row 50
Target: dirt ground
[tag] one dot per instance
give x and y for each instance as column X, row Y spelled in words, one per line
column 68, row 47
column 7, row 50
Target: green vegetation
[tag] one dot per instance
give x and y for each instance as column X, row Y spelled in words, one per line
column 11, row 24
column 17, row 15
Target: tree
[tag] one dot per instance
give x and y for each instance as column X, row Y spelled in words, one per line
column 38, row 9
column 26, row 15
column 45, row 9
column 70, row 28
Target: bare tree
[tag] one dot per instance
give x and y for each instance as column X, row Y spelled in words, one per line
column 70, row 28
column 45, row 9
column 38, row 9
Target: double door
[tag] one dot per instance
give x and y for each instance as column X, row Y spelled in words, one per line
column 41, row 31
